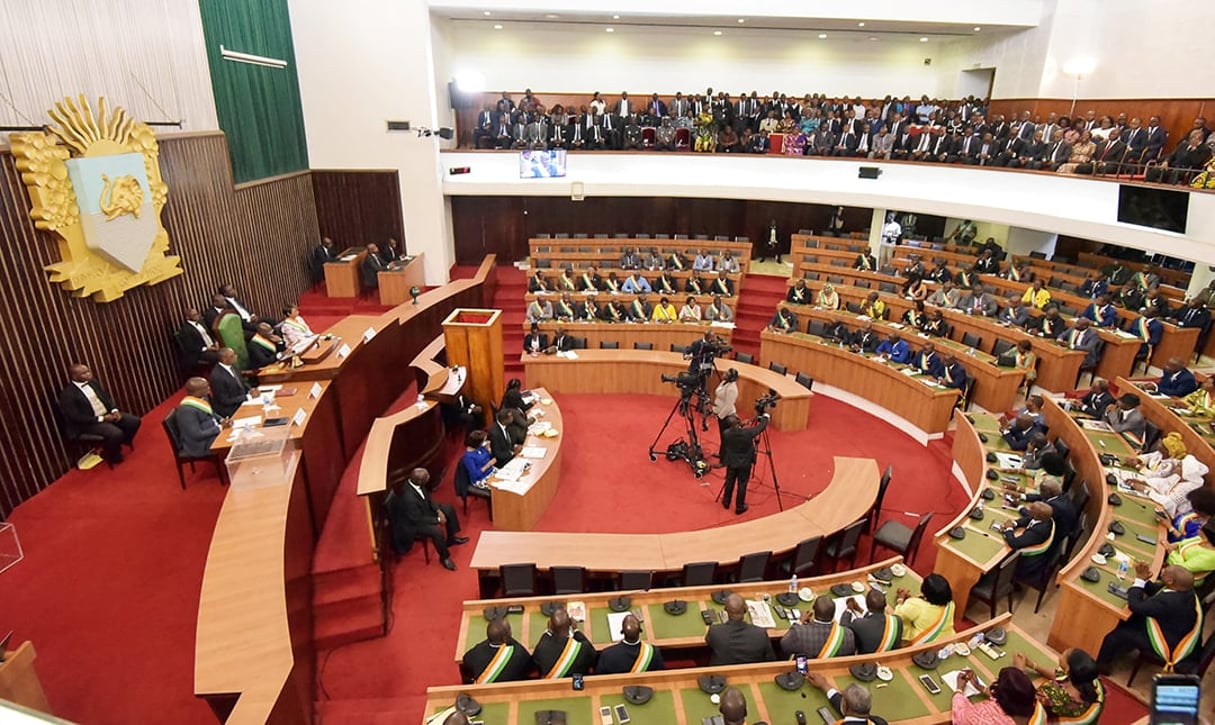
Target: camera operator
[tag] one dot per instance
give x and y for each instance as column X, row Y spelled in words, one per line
column 738, row 455
column 723, row 400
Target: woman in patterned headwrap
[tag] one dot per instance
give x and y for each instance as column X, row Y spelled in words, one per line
column 1168, row 473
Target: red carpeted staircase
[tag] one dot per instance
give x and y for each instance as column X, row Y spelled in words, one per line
column 757, row 301
column 512, row 286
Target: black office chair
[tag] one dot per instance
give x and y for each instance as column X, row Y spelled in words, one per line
column 1046, row 580
column 174, row 435
column 887, row 287
column 609, row 345
column 699, row 574
column 630, row 581
column 1002, row 346
column 681, row 349
column 578, row 342
column 844, row 544
column 744, row 357
column 898, row 537
column 778, row 368
column 805, row 381
column 996, row 585
column 89, row 441
column 875, row 512
column 464, row 489
column 518, row 580
column 863, row 284
column 817, row 328
column 972, row 340
column 754, row 567
column 1151, row 434
column 643, row 346
column 805, row 558
column 568, row 579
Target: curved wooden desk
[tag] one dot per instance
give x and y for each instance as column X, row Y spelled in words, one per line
column 254, row 657
column 1195, row 430
column 519, row 505
column 1087, row 611
column 848, row 497
column 660, row 335
column 926, row 407
column 641, row 371
column 677, row 699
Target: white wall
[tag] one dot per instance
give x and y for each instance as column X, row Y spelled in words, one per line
column 571, row 58
column 55, row 48
column 357, row 70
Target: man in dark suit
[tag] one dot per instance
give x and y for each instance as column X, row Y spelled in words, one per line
column 1193, row 313
column 196, row 342
column 1080, row 337
column 1109, row 156
column 88, row 409
column 1019, row 432
column 818, row 635
column 219, row 305
column 498, row 657
column 324, row 252
column 1051, row 494
column 738, row 455
column 853, row 703
column 1097, row 399
column 1058, row 151
column 562, row 342
column 371, row 266
column 248, row 319
column 502, row 443
column 535, row 341
column 1166, row 620
column 1190, row 155
column 874, row 629
column 197, row 424
column 630, row 654
column 737, row 641
column 1176, row 380
column 1136, row 141
column 229, row 390
column 1036, row 542
column 414, row 513
column 264, row 347
column 1157, row 137
column 563, row 650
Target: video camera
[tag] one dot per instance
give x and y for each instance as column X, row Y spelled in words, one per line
column 684, row 380
column 766, row 402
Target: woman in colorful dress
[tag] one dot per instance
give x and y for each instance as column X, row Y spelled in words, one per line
column 1010, row 700
column 293, row 327
column 1072, row 691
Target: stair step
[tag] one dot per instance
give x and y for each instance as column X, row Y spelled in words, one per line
column 345, row 584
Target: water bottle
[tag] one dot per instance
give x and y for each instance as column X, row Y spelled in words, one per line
column 793, row 584
column 976, row 640
column 1123, row 567
column 421, row 399
column 970, row 352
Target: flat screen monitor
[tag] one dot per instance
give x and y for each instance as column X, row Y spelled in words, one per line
column 1165, row 209
column 542, row 164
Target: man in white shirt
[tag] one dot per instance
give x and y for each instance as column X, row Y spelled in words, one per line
column 198, row 346
column 88, row 410
column 248, row 319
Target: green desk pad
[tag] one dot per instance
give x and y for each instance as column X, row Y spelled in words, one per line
column 976, row 546
column 497, row 713
column 538, row 623
column 577, row 710
column 660, row 710
column 665, row 626
column 782, row 704
column 898, row 700
column 697, row 705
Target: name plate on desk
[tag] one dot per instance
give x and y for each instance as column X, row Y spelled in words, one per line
column 368, row 336
column 299, row 417
column 343, row 351
column 314, row 391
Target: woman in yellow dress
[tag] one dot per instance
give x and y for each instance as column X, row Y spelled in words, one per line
column 664, row 311
column 1202, row 401
column 1082, row 153
column 929, row 616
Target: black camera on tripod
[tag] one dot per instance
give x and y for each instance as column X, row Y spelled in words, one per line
column 766, row 402
column 687, row 382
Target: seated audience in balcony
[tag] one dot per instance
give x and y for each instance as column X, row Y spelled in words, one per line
column 664, row 136
column 1081, row 153
column 1187, row 159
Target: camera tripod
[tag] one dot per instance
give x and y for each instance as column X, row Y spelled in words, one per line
column 692, row 399
column 764, row 448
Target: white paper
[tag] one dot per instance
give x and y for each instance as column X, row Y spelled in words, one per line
column 951, row 679
column 576, row 610
column 615, row 623
column 515, row 487
column 249, row 422
column 1100, row 425
column 841, row 604
column 299, row 417
column 761, row 614
column 314, row 391
column 727, row 325
column 343, row 351
column 369, row 334
column 1008, row 460
column 534, row 452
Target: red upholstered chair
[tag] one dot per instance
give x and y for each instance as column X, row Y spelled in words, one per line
column 647, row 137
column 683, row 139
column 776, row 143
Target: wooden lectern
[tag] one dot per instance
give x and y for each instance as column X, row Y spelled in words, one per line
column 19, row 682
column 474, row 341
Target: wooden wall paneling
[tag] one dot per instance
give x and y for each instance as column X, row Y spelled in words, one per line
column 357, row 207
column 257, row 237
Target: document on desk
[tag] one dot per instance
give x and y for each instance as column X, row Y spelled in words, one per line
column 761, row 614
column 249, row 422
column 841, row 604
column 511, row 486
column 1008, row 460
column 616, row 623
column 1100, row 425
column 951, row 679
column 539, row 427
column 535, row 452
column 727, row 325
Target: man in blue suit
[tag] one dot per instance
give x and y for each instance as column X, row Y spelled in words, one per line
column 1102, row 312
column 928, row 361
column 953, row 375
column 1018, row 433
column 895, row 348
column 1176, row 381
column 197, row 424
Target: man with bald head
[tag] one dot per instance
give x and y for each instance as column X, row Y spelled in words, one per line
column 874, row 629
column 818, row 635
column 229, row 389
column 630, row 654
column 498, row 658
column 87, row 409
column 1051, row 493
column 1036, row 542
column 736, row 641
column 414, row 514
column 265, row 346
column 1176, row 380
column 733, row 707
column 853, row 703
column 563, row 650
column 197, row 424
column 1166, row 619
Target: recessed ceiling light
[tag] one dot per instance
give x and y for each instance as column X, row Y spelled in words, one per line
column 977, row 28
column 497, row 27
column 742, row 20
column 860, row 25
column 873, row 37
column 609, row 30
column 488, row 13
column 615, row 17
column 717, row 32
column 822, row 35
column 923, row 40
column 551, row 16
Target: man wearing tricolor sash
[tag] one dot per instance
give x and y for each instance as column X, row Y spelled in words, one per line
column 853, row 703
column 874, row 629
column 563, row 650
column 819, row 635
column 1166, row 620
column 197, row 423
column 264, row 347
column 1036, row 542
column 497, row 658
column 630, row 654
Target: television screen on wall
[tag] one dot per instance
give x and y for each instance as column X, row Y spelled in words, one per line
column 542, row 164
column 1164, row 209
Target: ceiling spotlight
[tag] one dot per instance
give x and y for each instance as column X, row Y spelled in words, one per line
column 923, row 40
column 873, row 37
column 615, row 17
column 822, row 36
column 977, row 28
column 609, row 30
column 860, row 25
column 717, row 32
column 551, row 16
column 742, row 20
column 497, row 27
column 487, row 13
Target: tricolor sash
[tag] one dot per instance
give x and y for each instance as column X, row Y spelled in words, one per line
column 721, row 287
column 890, row 635
column 615, row 312
column 568, row 655
column 567, row 283
column 832, row 301
column 675, row 260
column 1141, row 328
column 865, row 263
column 1039, row 716
column 964, row 279
column 835, row 640
column 565, row 310
column 290, row 322
column 1092, row 714
column 638, row 310
column 199, row 403
column 645, row 655
column 590, row 311
column 1071, row 338
column 263, row 342
column 586, row 280
column 694, row 284
column 934, row 630
column 494, row 669
column 1014, row 274
column 924, row 363
column 1039, row 549
column 799, row 295
column 1185, row 520
column 540, row 285
column 611, row 285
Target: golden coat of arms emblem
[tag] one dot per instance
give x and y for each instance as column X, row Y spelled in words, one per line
column 94, row 181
